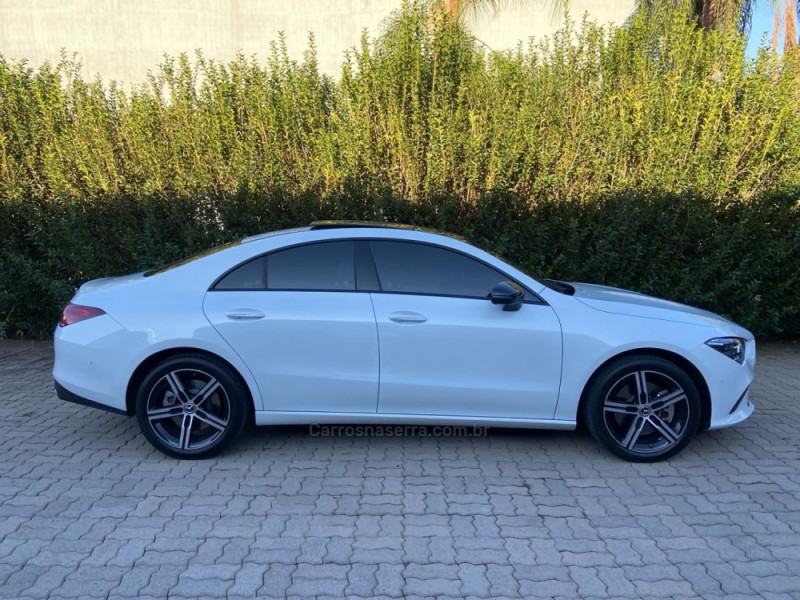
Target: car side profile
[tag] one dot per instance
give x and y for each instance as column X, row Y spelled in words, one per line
column 370, row 324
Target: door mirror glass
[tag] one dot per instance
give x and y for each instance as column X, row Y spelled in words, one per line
column 508, row 294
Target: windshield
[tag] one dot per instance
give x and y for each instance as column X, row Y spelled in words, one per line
column 511, row 263
column 562, row 287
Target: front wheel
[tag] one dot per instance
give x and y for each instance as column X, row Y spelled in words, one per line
column 642, row 408
column 191, row 406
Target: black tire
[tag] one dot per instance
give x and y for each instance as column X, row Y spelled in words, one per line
column 192, row 393
column 641, row 428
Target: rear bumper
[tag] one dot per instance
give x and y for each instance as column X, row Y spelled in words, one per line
column 92, row 361
column 65, row 394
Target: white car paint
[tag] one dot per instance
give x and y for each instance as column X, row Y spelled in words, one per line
column 467, row 358
column 363, row 357
column 312, row 351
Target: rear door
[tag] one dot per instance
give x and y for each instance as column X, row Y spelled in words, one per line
column 297, row 321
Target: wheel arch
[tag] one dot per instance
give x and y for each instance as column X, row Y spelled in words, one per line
column 140, row 372
column 691, row 370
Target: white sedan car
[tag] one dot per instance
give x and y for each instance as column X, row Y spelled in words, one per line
column 370, row 324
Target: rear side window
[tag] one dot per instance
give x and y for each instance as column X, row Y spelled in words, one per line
column 323, row 266
column 326, row 266
column 411, row 268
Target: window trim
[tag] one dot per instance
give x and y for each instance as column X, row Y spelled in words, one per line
column 537, row 299
column 363, row 253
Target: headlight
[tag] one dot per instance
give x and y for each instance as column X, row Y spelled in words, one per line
column 732, row 347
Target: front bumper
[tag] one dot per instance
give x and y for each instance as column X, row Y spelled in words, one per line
column 728, row 384
column 741, row 410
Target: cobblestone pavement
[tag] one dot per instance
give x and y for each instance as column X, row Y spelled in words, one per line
column 89, row 509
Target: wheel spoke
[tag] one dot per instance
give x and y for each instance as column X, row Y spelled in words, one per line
column 663, row 428
column 212, row 420
column 176, row 386
column 207, row 391
column 645, row 411
column 668, row 400
column 186, row 432
column 188, row 409
column 641, row 387
column 164, row 413
column 634, row 432
column 621, row 407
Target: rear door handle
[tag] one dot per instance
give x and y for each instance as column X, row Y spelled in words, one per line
column 406, row 316
column 245, row 314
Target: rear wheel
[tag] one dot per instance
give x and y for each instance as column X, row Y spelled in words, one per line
column 642, row 408
column 191, row 406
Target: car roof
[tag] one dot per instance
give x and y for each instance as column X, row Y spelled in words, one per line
column 228, row 256
column 343, row 224
column 269, row 234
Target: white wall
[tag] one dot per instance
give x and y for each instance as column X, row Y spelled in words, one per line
column 123, row 39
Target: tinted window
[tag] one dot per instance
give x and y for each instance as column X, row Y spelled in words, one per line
column 249, row 276
column 366, row 277
column 323, row 266
column 421, row 269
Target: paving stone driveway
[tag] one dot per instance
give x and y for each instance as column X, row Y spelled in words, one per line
column 88, row 509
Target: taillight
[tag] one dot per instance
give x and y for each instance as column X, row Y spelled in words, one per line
column 74, row 313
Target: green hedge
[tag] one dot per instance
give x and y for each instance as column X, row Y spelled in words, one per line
column 737, row 258
column 654, row 157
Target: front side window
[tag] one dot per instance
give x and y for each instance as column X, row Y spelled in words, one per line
column 412, row 268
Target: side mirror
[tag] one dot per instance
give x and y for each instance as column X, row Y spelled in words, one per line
column 507, row 293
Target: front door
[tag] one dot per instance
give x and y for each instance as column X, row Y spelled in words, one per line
column 445, row 349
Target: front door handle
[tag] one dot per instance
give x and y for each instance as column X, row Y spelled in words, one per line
column 406, row 316
column 245, row 314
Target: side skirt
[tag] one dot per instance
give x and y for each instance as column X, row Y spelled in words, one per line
column 264, row 417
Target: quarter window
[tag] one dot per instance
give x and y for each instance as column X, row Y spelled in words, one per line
column 411, row 268
column 249, row 276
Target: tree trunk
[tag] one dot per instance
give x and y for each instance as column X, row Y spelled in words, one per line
column 790, row 26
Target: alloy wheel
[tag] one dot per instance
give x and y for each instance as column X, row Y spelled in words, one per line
column 646, row 412
column 188, row 409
